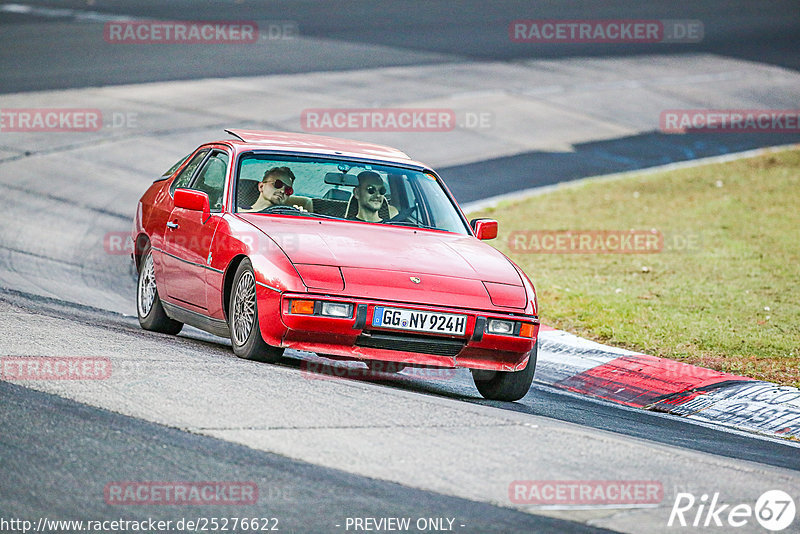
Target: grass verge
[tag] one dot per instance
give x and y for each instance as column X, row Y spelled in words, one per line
column 722, row 292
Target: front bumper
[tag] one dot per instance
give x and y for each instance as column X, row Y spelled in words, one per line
column 354, row 337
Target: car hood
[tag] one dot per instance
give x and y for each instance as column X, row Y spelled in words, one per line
column 398, row 264
column 368, row 246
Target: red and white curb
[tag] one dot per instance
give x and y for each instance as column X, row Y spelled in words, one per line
column 575, row 364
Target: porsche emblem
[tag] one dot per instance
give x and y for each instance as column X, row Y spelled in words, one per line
column 415, row 279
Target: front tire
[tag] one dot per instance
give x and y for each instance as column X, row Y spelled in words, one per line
column 148, row 305
column 506, row 385
column 243, row 319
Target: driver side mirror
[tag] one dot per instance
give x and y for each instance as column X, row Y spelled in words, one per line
column 484, row 228
column 189, row 199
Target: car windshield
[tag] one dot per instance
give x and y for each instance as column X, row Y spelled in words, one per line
column 342, row 189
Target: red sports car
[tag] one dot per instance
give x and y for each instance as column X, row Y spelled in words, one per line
column 343, row 248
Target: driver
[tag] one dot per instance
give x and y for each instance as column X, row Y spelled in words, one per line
column 274, row 190
column 370, row 193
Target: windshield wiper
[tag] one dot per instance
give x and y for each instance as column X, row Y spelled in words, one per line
column 281, row 210
column 291, row 210
column 411, row 224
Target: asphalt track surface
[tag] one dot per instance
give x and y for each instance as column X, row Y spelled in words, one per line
column 84, row 442
column 54, row 52
column 599, row 158
column 57, row 454
column 543, row 400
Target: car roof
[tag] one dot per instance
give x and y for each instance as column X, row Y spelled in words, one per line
column 317, row 144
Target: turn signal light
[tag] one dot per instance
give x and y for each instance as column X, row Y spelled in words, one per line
column 526, row 330
column 302, row 307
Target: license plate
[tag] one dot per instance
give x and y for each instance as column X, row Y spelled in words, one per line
column 419, row 321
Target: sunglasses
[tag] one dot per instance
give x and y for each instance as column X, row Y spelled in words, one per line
column 280, row 184
column 371, row 189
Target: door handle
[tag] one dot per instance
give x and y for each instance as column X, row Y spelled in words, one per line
column 172, row 225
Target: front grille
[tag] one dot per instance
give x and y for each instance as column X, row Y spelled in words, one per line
column 411, row 343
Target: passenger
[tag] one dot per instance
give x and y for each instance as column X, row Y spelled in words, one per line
column 370, row 193
column 274, row 190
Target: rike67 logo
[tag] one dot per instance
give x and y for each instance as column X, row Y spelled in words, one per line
column 774, row 510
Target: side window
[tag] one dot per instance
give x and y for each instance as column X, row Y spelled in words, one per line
column 211, row 178
column 182, row 180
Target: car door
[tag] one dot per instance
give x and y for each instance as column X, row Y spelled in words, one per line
column 189, row 234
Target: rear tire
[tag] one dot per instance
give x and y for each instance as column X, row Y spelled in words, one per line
column 505, row 385
column 148, row 305
column 243, row 319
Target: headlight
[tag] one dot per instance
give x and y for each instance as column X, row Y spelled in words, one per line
column 336, row 309
column 510, row 328
column 497, row 326
column 321, row 308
